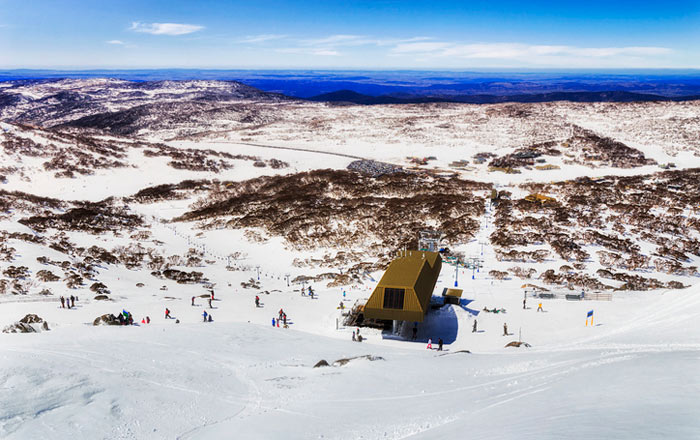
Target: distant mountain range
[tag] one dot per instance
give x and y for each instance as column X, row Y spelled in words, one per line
column 413, row 86
column 351, row 97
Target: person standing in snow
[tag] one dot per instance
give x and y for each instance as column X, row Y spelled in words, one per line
column 353, row 336
column 284, row 319
column 210, row 318
column 210, row 303
column 193, row 300
column 474, row 327
column 505, row 329
column 63, row 303
column 167, row 313
column 257, row 301
column 205, row 316
column 439, row 344
column 539, row 308
column 273, row 322
column 430, row 344
column 302, row 291
column 212, row 294
column 148, row 319
column 524, row 303
column 72, row 301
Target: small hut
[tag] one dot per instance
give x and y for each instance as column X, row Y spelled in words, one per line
column 404, row 292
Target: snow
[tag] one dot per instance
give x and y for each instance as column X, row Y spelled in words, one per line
column 630, row 375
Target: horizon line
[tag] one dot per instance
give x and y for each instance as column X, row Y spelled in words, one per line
column 353, row 69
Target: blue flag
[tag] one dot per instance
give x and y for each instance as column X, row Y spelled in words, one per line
column 590, row 314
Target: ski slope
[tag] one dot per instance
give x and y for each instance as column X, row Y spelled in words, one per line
column 631, row 375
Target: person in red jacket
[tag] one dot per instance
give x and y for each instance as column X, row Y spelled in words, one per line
column 167, row 313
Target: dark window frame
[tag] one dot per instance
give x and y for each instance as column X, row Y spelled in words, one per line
column 394, row 298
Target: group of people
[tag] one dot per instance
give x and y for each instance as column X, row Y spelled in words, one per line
column 311, row 292
column 207, row 317
column 125, row 318
column 430, row 344
column 356, row 336
column 281, row 318
column 67, row 303
column 209, row 300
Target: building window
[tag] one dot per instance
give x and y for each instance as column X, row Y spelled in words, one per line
column 393, row 298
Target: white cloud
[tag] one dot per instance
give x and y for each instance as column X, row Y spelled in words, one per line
column 346, row 40
column 520, row 52
column 260, row 38
column 336, row 40
column 309, row 51
column 419, row 47
column 116, row 42
column 165, row 28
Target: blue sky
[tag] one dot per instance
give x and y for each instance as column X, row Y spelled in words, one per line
column 345, row 34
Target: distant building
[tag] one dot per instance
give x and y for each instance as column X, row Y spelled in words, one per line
column 404, row 292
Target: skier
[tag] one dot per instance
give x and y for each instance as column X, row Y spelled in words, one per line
column 63, row 303
column 212, row 294
column 205, row 316
column 430, row 344
column 130, row 319
column 474, row 327
column 167, row 313
column 505, row 329
column 193, row 300
column 72, row 301
column 302, row 291
column 257, row 301
column 439, row 344
column 273, row 322
column 353, row 336
column 284, row 319
column 539, row 308
column 341, row 306
column 210, row 319
column 210, row 303
column 148, row 320
column 524, row 303
column 279, row 314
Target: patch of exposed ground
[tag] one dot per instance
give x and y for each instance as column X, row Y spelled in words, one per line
column 346, row 210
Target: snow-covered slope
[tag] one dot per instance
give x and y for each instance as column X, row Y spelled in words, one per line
column 139, row 197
